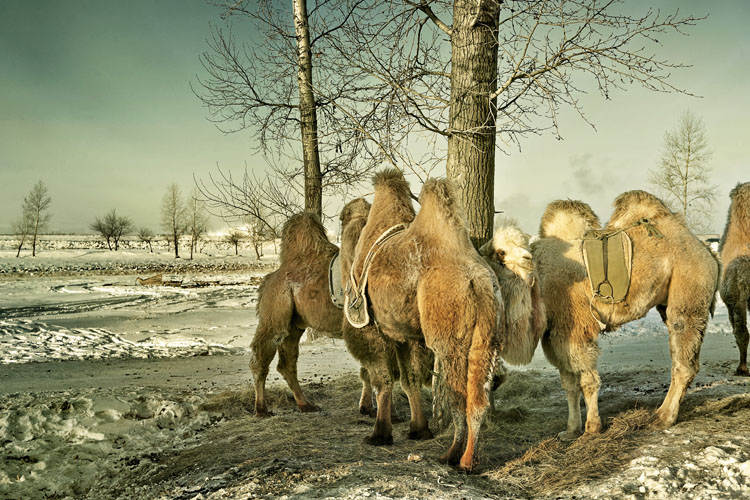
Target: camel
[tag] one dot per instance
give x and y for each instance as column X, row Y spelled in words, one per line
column 295, row 297
column 509, row 256
column 429, row 285
column 734, row 250
column 671, row 271
column 383, row 360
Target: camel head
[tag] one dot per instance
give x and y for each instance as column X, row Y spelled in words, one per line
column 358, row 207
column 509, row 248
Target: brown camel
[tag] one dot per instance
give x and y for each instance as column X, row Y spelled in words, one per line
column 734, row 249
column 671, row 271
column 384, row 360
column 293, row 298
column 429, row 285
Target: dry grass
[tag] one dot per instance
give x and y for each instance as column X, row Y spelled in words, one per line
column 552, row 465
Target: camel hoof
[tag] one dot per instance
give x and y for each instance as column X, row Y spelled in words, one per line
column 449, row 459
column 309, row 408
column 368, row 412
column 420, row 435
column 742, row 371
column 375, row 440
column 593, row 428
column 568, row 436
column 466, row 469
column 660, row 424
column 263, row 413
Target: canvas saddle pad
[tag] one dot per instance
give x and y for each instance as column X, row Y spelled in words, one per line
column 355, row 295
column 335, row 288
column 608, row 258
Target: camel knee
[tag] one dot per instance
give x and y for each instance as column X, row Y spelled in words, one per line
column 590, row 383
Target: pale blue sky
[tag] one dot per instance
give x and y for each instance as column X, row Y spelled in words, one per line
column 95, row 100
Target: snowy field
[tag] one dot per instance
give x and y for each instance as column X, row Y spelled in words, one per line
column 109, row 389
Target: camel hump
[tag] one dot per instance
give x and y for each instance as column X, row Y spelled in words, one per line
column 394, row 180
column 567, row 220
column 737, row 229
column 440, row 201
column 303, row 233
column 632, row 206
column 740, row 194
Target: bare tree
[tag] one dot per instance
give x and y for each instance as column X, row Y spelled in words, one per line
column 145, row 235
column 173, row 216
column 259, row 233
column 288, row 87
column 234, row 237
column 36, row 209
column 269, row 201
column 484, row 74
column 196, row 219
column 683, row 175
column 21, row 229
column 112, row 227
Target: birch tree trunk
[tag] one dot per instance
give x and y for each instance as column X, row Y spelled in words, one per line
column 473, row 114
column 308, row 114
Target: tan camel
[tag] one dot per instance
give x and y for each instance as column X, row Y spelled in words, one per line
column 734, row 250
column 293, row 298
column 429, row 284
column 671, row 271
column 509, row 256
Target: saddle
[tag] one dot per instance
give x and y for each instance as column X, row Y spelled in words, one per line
column 335, row 288
column 608, row 257
column 355, row 295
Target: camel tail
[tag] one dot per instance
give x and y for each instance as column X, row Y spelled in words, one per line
column 261, row 291
column 735, row 288
column 484, row 347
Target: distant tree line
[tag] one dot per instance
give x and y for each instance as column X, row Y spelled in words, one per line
column 180, row 217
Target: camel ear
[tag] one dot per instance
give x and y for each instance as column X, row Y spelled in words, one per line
column 487, row 249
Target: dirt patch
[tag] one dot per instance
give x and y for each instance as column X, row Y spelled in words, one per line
column 321, row 455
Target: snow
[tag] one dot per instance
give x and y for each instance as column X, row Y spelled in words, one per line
column 81, row 310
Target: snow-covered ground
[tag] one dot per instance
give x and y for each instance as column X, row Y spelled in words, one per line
column 104, row 382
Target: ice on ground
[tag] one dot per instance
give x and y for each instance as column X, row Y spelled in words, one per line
column 27, row 341
column 58, row 446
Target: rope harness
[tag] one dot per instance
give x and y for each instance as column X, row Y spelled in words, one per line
column 355, row 298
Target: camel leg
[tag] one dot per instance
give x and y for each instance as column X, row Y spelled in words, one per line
column 263, row 350
column 453, row 455
column 408, row 356
column 738, row 318
column 685, row 339
column 287, row 367
column 590, row 383
column 572, row 385
column 382, row 434
column 366, row 406
column 476, row 407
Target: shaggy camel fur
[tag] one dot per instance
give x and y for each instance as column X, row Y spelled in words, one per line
column 383, row 360
column 509, row 256
column 734, row 249
column 672, row 271
column 293, row 298
column 429, row 284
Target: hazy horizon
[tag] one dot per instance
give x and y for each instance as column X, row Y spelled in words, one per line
column 97, row 103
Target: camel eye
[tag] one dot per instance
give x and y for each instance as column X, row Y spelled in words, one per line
column 501, row 254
